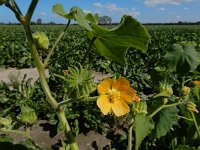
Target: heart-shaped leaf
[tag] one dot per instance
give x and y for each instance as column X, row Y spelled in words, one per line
column 182, row 58
column 114, row 43
column 167, row 117
column 143, row 126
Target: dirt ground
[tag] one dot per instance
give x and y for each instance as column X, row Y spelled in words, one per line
column 32, row 73
column 42, row 132
column 45, row 136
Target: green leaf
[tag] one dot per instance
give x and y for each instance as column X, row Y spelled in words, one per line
column 92, row 19
column 114, row 43
column 185, row 147
column 58, row 9
column 182, row 58
column 196, row 92
column 167, row 117
column 75, row 13
column 80, row 17
column 143, row 126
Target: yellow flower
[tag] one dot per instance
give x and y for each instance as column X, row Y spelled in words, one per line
column 196, row 82
column 114, row 96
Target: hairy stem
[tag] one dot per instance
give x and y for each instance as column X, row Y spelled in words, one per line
column 163, row 106
column 31, row 9
column 55, row 44
column 195, row 123
column 23, row 133
column 130, row 135
column 65, row 102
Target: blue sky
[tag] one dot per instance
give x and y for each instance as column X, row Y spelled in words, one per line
column 144, row 10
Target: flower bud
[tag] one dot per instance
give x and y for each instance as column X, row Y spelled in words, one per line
column 6, row 121
column 192, row 107
column 27, row 115
column 165, row 90
column 41, row 40
column 165, row 87
column 140, row 107
column 186, row 90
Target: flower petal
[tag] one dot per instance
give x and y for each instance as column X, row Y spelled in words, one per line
column 136, row 98
column 104, row 104
column 128, row 95
column 121, row 84
column 120, row 108
column 104, row 86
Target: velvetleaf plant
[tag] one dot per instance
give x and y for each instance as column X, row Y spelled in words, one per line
column 111, row 44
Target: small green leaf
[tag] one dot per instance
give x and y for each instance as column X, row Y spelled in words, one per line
column 58, row 9
column 143, row 126
column 167, row 117
column 92, row 19
column 80, row 17
column 182, row 58
column 75, row 13
column 114, row 43
column 184, row 147
column 196, row 92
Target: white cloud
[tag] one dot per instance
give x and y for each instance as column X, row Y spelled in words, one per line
column 186, row 8
column 108, row 7
column 97, row 5
column 158, row 2
column 162, row 9
column 87, row 11
column 43, row 13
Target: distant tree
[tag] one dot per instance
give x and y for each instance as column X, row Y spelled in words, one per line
column 39, row 21
column 105, row 20
column 51, row 22
column 32, row 22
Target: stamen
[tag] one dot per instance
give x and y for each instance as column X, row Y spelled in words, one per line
column 114, row 95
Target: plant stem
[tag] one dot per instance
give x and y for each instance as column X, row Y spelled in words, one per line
column 16, row 7
column 41, row 70
column 17, row 15
column 195, row 123
column 77, row 100
column 68, row 132
column 31, row 9
column 50, row 98
column 185, row 118
column 65, row 53
column 163, row 106
column 23, row 133
column 55, row 44
column 88, row 49
column 130, row 135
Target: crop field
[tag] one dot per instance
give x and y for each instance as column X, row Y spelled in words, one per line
column 166, row 79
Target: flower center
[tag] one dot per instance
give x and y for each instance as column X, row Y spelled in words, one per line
column 114, row 95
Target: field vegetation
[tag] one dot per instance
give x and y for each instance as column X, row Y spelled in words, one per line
column 166, row 78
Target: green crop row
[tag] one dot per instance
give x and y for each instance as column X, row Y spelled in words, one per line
column 147, row 72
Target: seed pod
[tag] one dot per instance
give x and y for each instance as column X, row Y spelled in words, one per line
column 27, row 115
column 5, row 121
column 41, row 40
column 140, row 107
column 192, row 107
column 165, row 87
column 186, row 90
